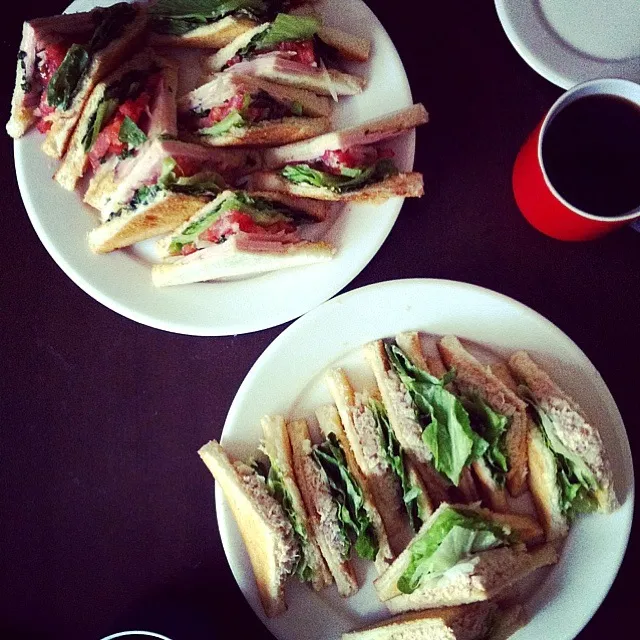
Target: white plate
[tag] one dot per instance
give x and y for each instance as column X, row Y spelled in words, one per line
column 286, row 379
column 569, row 41
column 122, row 280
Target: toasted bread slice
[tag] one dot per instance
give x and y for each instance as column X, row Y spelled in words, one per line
column 268, row 133
column 216, row 35
column 466, row 622
column 329, row 421
column 316, row 495
column 277, row 446
column 472, row 379
column 346, row 44
column 264, row 542
column 402, row 185
column 218, row 60
column 367, row 445
column 231, row 260
column 162, row 215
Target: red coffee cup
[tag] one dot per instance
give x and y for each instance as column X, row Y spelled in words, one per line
column 537, row 198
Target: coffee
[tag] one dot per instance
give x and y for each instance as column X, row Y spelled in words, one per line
column 591, row 153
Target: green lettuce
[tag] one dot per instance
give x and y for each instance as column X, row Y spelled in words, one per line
column 576, row 482
column 288, row 28
column 262, row 212
column 97, row 122
column 233, row 120
column 354, row 521
column 411, row 493
column 350, row 179
column 112, row 21
column 453, row 536
column 131, row 134
column 492, row 427
column 448, row 433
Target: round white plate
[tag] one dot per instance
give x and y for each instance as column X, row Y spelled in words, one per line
column 122, row 280
column 569, row 41
column 286, row 379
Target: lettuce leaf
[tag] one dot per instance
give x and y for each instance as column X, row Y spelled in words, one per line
column 354, row 521
column 98, row 120
column 131, row 134
column 351, row 178
column 448, row 432
column 63, row 85
column 288, row 28
column 111, row 25
column 453, row 537
column 575, row 480
column 231, row 121
column 395, row 458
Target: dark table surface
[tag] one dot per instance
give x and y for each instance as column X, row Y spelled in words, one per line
column 107, row 513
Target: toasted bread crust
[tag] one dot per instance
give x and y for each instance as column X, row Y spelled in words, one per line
column 268, row 133
column 346, row 44
column 402, row 185
column 260, row 537
column 161, row 216
column 473, row 379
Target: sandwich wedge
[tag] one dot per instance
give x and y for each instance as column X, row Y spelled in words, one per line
column 61, row 60
column 497, row 414
column 346, row 165
column 271, row 518
column 162, row 186
column 235, row 110
column 240, row 234
column 569, row 471
column 462, row 555
column 135, row 103
column 337, row 497
column 285, row 51
column 397, row 489
column 476, row 621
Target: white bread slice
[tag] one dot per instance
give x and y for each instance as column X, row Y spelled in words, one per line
column 223, row 86
column 267, row 133
column 103, row 63
column 404, row 421
column 160, row 216
column 216, row 35
column 367, row 447
column 277, row 446
column 402, row 185
column 74, row 162
column 261, row 538
column 316, row 494
column 473, row 379
column 571, row 425
column 329, row 422
column 466, row 622
column 102, row 184
column 382, row 128
column 228, row 260
column 219, row 59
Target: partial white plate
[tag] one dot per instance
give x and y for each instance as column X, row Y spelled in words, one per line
column 569, row 42
column 286, row 380
column 122, row 279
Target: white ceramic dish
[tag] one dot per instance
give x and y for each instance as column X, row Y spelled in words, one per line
column 122, row 280
column 286, row 379
column 569, row 42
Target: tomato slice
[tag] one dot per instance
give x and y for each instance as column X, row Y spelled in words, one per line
column 304, row 51
column 53, row 56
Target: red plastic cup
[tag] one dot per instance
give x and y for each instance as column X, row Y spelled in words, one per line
column 537, row 198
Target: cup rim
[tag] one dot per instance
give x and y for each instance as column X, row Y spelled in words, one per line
column 564, row 100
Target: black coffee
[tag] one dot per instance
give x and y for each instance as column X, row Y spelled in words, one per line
column 591, row 152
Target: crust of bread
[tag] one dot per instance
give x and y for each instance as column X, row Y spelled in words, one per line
column 278, row 447
column 260, row 537
column 329, row 421
column 212, row 36
column 467, row 622
column 103, row 63
column 317, row 209
column 473, row 379
column 227, row 260
column 544, row 487
column 163, row 215
column 402, row 185
column 305, row 469
column 268, row 133
column 572, row 426
column 383, row 484
column 424, row 501
column 389, row 125
column 347, row 45
column 221, row 57
column 492, row 494
column 402, row 423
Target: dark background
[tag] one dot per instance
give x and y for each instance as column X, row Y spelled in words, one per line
column 107, row 513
